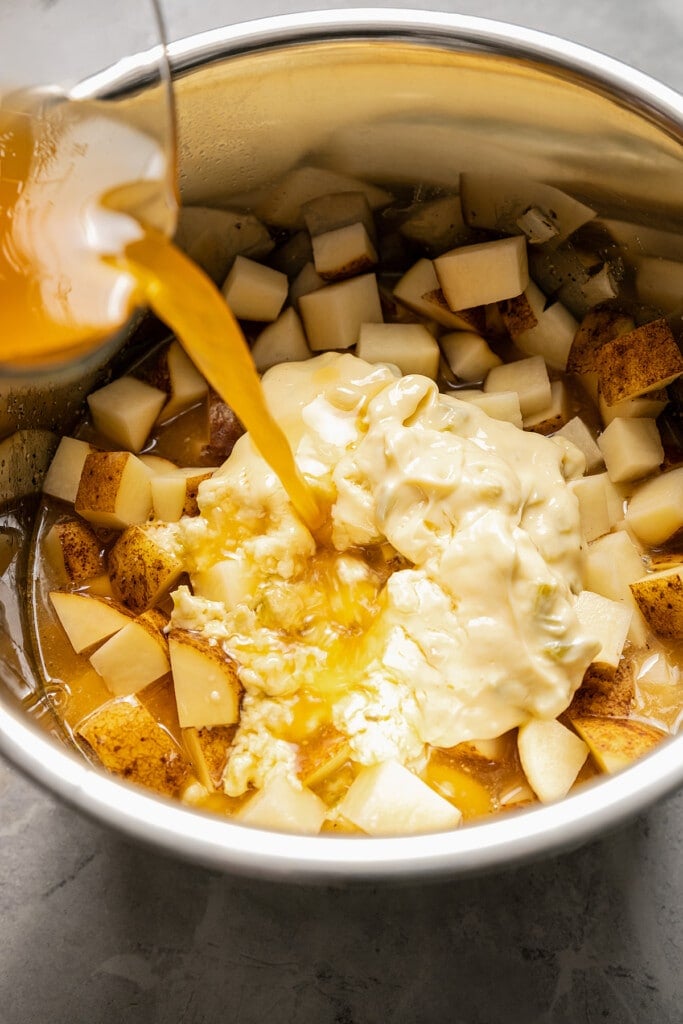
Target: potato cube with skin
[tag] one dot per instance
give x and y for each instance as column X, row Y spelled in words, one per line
column 131, row 659
column 212, row 238
column 283, row 807
column 655, row 510
column 598, row 326
column 62, row 478
column 388, row 799
column 125, row 411
column 615, row 743
column 611, row 563
column 417, row 290
column 551, row 756
column 468, row 355
column 608, row 621
column 207, row 689
column 255, row 292
column 333, row 316
column 285, row 201
column 186, row 384
column 553, row 333
column 329, row 212
column 283, row 341
column 555, row 415
column 499, row 405
column 114, row 490
column 604, row 690
column 646, row 359
column 409, row 346
column 474, row 275
column 528, row 377
column 87, row 620
column 143, row 566
column 343, row 252
column 437, row 225
column 128, row 740
column 74, row 551
column 576, row 431
column 660, row 598
column 632, row 449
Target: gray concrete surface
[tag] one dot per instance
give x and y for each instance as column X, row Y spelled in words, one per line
column 94, row 930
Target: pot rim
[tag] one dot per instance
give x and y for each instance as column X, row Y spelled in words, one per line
column 497, row 843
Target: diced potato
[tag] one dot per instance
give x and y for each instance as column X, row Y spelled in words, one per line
column 209, row 750
column 608, row 621
column 307, row 280
column 282, row 807
column 125, row 411
column 437, row 225
column 131, row 659
column 517, row 314
column 497, row 201
column 292, row 256
column 143, row 567
column 157, row 465
column 283, row 341
column 576, row 431
column 644, row 360
column 193, row 476
column 74, row 551
column 87, row 620
column 474, row 275
column 62, row 478
column 632, row 449
column 655, row 511
column 615, row 743
column 343, row 252
column 332, row 316
column 659, row 283
column 186, row 384
column 611, row 564
column 468, row 355
column 255, row 292
column 128, row 740
column 284, row 204
column 329, row 212
column 593, row 510
column 114, row 490
column 212, row 238
column 551, row 756
column 597, row 327
column 605, row 690
column 409, row 346
column 499, row 405
column 388, row 799
column 660, row 599
column 228, row 581
column 553, row 333
column 418, row 290
column 168, row 496
column 555, row 415
column 222, row 429
column 640, row 240
column 647, row 406
column 528, row 377
column 207, row 688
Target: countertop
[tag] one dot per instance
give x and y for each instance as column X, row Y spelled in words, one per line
column 94, row 929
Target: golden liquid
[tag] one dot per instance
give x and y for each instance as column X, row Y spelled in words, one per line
column 174, row 287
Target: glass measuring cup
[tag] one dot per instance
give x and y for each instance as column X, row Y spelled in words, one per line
column 86, row 159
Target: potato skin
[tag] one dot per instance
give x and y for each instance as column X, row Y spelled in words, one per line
column 605, row 691
column 599, row 326
column 80, row 550
column 141, row 571
column 660, row 599
column 642, row 360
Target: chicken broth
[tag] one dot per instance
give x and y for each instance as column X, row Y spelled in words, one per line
column 237, row 630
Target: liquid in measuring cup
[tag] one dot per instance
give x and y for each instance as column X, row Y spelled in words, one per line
column 78, row 254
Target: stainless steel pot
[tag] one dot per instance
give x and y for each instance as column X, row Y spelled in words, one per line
column 399, row 97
